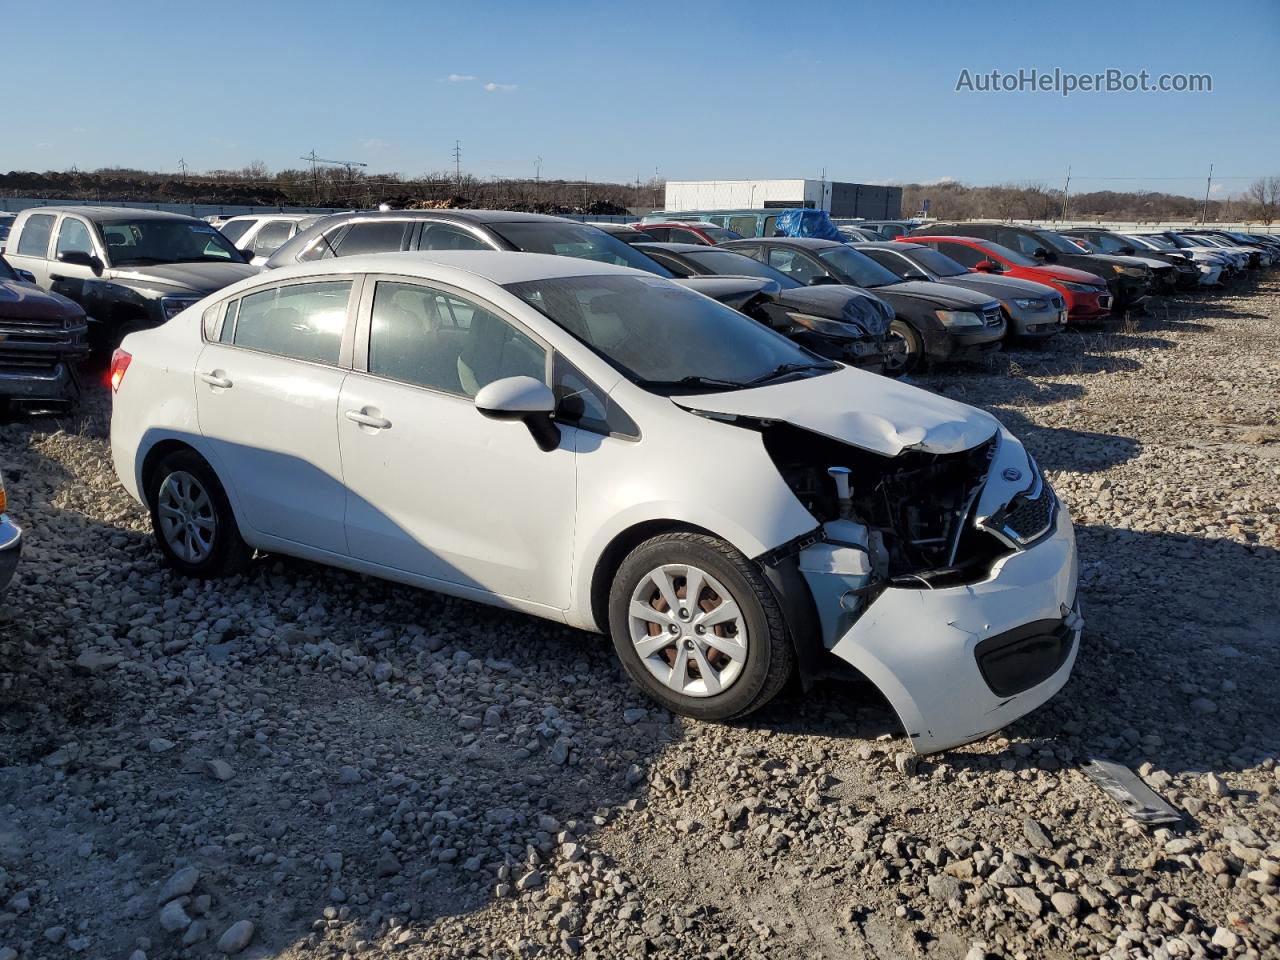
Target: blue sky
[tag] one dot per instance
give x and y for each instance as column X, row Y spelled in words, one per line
column 698, row 89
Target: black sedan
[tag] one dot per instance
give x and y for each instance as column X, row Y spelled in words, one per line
column 840, row 322
column 934, row 321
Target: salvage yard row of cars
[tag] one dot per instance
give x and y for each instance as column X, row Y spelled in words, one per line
column 682, row 444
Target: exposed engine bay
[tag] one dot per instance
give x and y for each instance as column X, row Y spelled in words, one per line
column 918, row 507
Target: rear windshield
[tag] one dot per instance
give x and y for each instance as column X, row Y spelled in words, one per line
column 575, row 240
column 723, row 263
column 233, row 230
column 936, row 263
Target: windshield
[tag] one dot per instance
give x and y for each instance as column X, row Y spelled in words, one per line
column 633, row 323
column 856, row 268
column 939, row 264
column 1056, row 242
column 165, row 241
column 575, row 240
column 1158, row 243
column 724, row 263
column 1008, row 254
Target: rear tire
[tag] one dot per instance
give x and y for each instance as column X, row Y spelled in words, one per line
column 192, row 519
column 728, row 666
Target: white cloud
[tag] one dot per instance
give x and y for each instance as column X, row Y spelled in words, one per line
column 457, row 78
column 375, row 145
column 499, row 87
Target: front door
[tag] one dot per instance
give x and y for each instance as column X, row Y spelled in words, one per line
column 68, row 279
column 267, row 400
column 434, row 488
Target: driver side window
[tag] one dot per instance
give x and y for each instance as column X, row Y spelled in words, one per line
column 794, row 264
column 962, row 253
column 73, row 236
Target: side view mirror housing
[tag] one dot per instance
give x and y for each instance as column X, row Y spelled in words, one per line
column 247, row 254
column 525, row 399
column 915, row 275
column 987, row 266
column 1040, row 253
column 79, row 258
column 823, row 280
column 1128, row 251
column 26, row 275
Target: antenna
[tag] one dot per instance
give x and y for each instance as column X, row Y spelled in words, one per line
column 457, row 163
column 1066, row 193
column 1204, row 215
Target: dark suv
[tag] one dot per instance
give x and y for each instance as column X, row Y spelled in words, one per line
column 1128, row 279
column 128, row 268
column 1180, row 272
column 934, row 321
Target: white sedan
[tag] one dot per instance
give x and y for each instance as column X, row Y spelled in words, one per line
column 605, row 448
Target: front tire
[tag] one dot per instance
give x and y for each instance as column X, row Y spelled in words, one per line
column 192, row 520
column 900, row 363
column 722, row 654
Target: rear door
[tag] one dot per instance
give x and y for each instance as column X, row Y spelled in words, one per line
column 267, row 391
column 30, row 250
column 434, row 488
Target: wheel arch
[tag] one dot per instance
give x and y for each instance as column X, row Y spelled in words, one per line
column 153, row 457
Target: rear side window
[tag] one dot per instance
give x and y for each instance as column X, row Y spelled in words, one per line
column 235, row 229
column 685, row 236
column 372, row 236
column 962, row 254
column 34, row 239
column 302, row 321
column 268, row 240
column 661, row 234
column 746, row 226
column 446, row 236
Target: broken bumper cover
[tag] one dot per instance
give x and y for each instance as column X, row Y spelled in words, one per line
column 959, row 663
column 10, row 550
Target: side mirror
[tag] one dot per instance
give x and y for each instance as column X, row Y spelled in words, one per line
column 26, row 275
column 1128, row 251
column 524, row 399
column 1040, row 253
column 822, row 280
column 247, row 254
column 987, row 266
column 915, row 275
column 79, row 258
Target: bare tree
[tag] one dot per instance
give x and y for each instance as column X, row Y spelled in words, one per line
column 1264, row 196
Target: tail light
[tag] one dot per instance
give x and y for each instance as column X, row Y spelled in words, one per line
column 119, row 364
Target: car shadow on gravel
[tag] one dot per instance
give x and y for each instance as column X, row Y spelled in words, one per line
column 1177, row 668
column 1060, row 448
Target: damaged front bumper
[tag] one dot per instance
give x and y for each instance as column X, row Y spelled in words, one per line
column 958, row 663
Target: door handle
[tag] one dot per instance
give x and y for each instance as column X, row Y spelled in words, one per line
column 213, row 380
column 366, row 420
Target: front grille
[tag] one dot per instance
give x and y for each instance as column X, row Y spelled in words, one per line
column 11, row 325
column 991, row 315
column 15, row 362
column 1031, row 517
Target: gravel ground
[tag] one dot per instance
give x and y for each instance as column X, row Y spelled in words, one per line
column 304, row 763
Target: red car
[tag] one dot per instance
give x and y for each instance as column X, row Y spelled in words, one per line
column 1087, row 295
column 689, row 231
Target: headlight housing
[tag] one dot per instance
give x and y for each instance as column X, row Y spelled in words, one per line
column 172, row 306
column 1079, row 287
column 1031, row 303
column 954, row 319
column 825, row 326
column 1130, row 271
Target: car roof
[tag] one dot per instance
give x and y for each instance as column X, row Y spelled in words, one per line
column 498, row 266
column 469, row 216
column 275, row 216
column 680, row 247
column 924, row 238
column 808, row 243
column 883, row 245
column 114, row 213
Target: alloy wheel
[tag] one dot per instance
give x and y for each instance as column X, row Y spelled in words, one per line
column 688, row 630
column 187, row 519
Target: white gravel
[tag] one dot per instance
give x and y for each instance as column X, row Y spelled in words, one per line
column 303, row 762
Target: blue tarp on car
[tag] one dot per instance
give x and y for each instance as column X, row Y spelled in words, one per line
column 808, row 223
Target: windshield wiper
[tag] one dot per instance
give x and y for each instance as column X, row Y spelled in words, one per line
column 696, row 381
column 785, row 368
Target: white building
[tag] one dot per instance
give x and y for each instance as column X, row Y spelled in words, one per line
column 838, row 198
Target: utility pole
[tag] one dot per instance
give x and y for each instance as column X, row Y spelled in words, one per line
column 1066, row 193
column 457, row 163
column 537, row 179
column 315, row 173
column 1204, row 213
column 182, row 165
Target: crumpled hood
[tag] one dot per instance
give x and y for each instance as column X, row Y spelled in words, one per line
column 199, row 279
column 21, row 301
column 951, row 298
column 863, row 409
column 839, row 302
